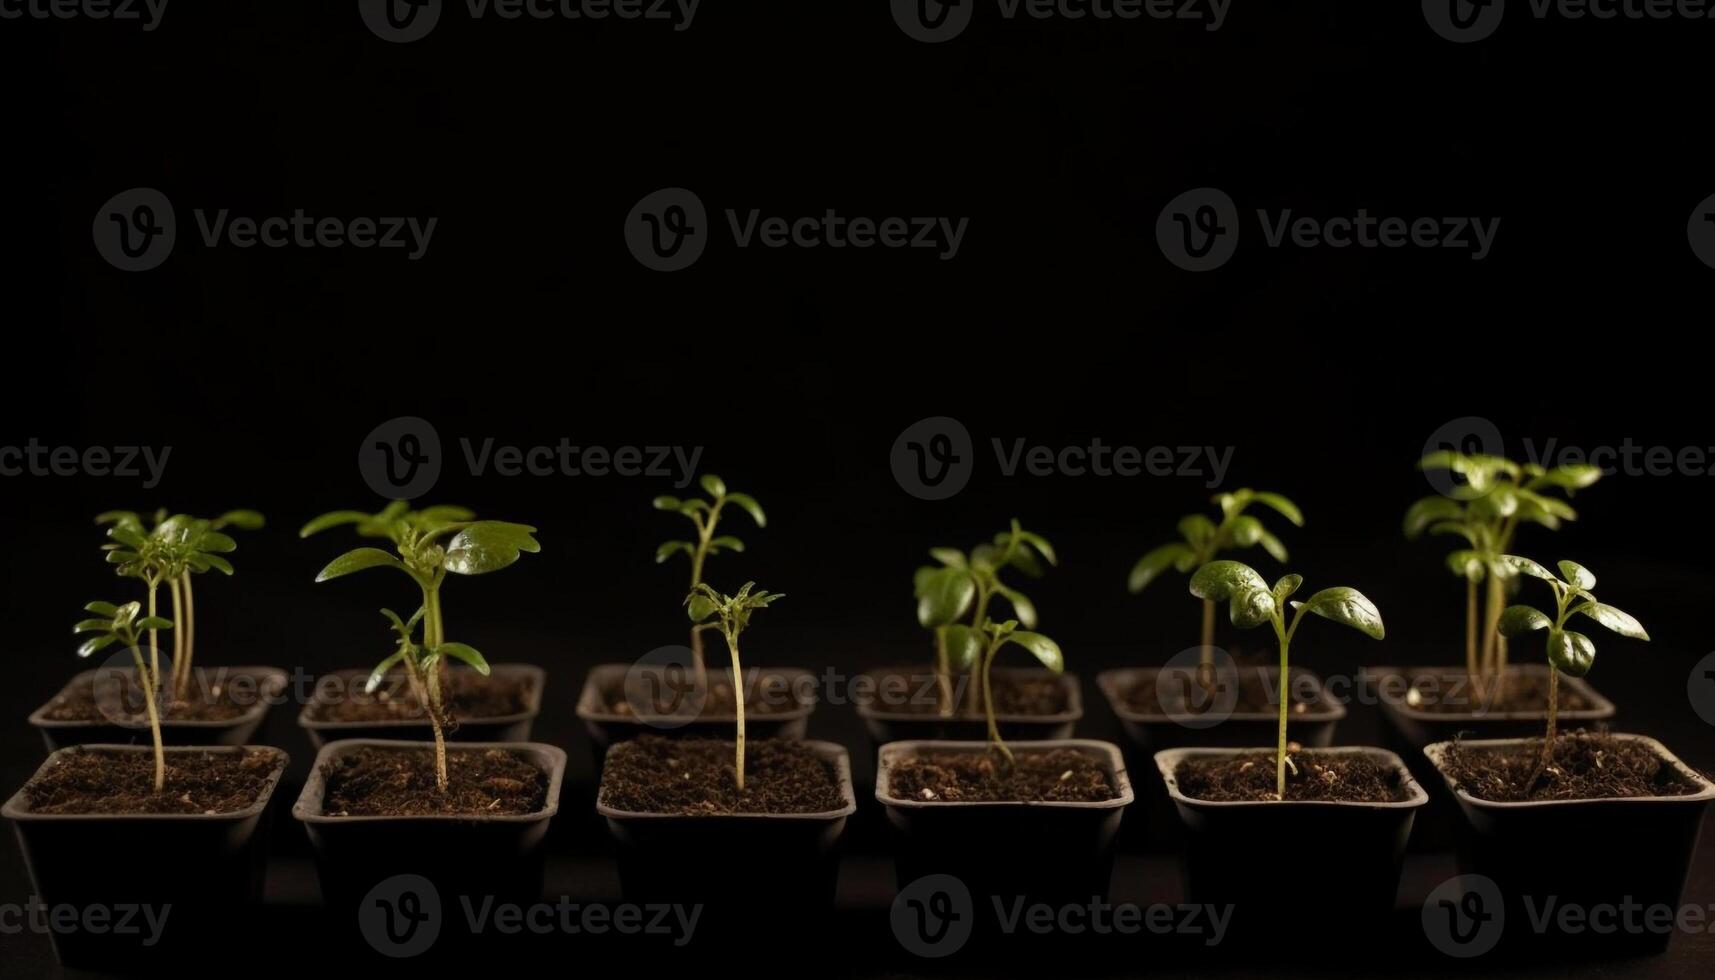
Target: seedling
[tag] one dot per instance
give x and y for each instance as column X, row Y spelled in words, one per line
column 1251, row 603
column 706, row 516
column 1203, row 540
column 998, row 635
column 961, row 588
column 125, row 624
column 730, row 615
column 422, row 672
column 1568, row 651
column 1486, row 509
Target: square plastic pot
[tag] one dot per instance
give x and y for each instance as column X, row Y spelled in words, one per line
column 208, row 867
column 608, row 728
column 270, row 684
column 500, row 728
column 886, row 725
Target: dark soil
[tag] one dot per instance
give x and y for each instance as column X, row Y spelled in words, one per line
column 695, row 777
column 1257, row 695
column 914, row 693
column 1310, row 776
column 1055, row 776
column 211, row 700
column 469, row 694
column 92, row 782
column 770, row 695
column 1584, row 766
column 401, row 782
column 1452, row 693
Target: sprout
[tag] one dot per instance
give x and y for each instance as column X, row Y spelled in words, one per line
column 422, row 671
column 123, row 624
column 706, row 515
column 997, row 636
column 730, row 615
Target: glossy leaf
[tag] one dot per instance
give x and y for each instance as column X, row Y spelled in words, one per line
column 1218, row 580
column 1528, row 567
column 1197, row 530
column 1285, row 587
column 1280, row 505
column 964, row 646
column 1151, row 565
column 1350, row 607
column 1021, row 604
column 668, row 549
column 1572, row 653
column 379, row 674
column 726, row 542
column 356, row 561
column 1046, row 651
column 1468, row 564
column 948, row 556
column 666, row 502
column 332, row 519
column 1518, row 620
column 1251, row 607
column 463, row 653
column 1577, row 575
column 749, row 505
column 699, row 607
column 1430, row 511
column 945, row 597
column 1614, row 619
column 713, row 485
column 489, row 546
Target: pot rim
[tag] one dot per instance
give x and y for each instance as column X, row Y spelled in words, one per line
column 1109, row 682
column 829, row 751
column 308, row 808
column 17, row 810
column 532, row 709
column 1108, row 751
column 1603, row 710
column 1168, row 760
column 1437, row 750
column 1069, row 680
column 278, row 677
column 590, row 700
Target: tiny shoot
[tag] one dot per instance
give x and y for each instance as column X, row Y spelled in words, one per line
column 422, row 672
column 705, row 515
column 995, row 637
column 125, row 624
column 730, row 615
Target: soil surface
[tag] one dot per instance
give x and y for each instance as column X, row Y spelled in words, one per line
column 209, row 701
column 1584, row 766
column 695, row 777
column 93, row 782
column 914, row 693
column 469, row 694
column 1310, row 776
column 395, row 783
column 768, row 696
column 1452, row 693
column 1056, row 776
column 1257, row 694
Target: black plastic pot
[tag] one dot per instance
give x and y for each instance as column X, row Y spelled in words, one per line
column 208, row 868
column 1276, row 862
column 470, row 855
column 500, row 728
column 607, row 728
column 269, row 684
column 1054, row 853
column 1585, row 853
column 886, row 725
column 746, row 868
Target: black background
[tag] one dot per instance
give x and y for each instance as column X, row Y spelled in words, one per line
column 1061, row 322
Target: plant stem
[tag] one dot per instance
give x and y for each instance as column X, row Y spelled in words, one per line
column 1553, row 717
column 738, row 703
column 1280, row 747
column 988, row 701
column 148, row 680
column 1207, row 648
column 943, row 683
column 1471, row 629
column 1490, row 688
column 430, row 701
column 976, row 681
column 705, row 535
column 177, row 595
column 187, row 629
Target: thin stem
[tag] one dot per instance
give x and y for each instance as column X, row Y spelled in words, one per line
column 1491, row 683
column 154, row 636
column 988, row 702
column 943, row 683
column 1280, row 747
column 705, row 535
column 1553, row 717
column 177, row 596
column 974, row 696
column 148, row 681
column 188, row 629
column 430, row 701
column 1471, row 629
column 738, row 702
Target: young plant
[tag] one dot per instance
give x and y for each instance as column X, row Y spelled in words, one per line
column 125, row 624
column 1568, row 651
column 422, row 673
column 706, row 516
column 1204, row 539
column 1251, row 603
column 1495, row 496
column 474, row 548
column 730, row 615
column 961, row 588
column 997, row 635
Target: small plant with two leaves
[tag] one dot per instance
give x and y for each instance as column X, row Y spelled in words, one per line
column 731, row 615
column 953, row 600
column 993, row 638
column 422, row 672
column 1251, row 603
column 705, row 515
column 1569, row 651
column 1493, row 498
column 125, row 624
column 1203, row 540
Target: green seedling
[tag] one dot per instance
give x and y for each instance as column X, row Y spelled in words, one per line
column 422, row 672
column 1251, row 603
column 1203, row 540
column 125, row 624
column 1495, row 496
column 998, row 635
column 706, row 516
column 953, row 601
column 1568, row 651
column 730, row 615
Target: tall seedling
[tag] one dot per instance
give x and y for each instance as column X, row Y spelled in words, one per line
column 125, row 624
column 705, row 515
column 730, row 615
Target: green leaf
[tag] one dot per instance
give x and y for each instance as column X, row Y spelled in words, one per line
column 1348, row 606
column 128, row 535
column 1045, row 650
column 726, row 542
column 379, row 674
column 1617, row 620
column 1431, row 510
column 1251, row 607
column 1021, row 604
column 1528, row 567
column 1284, row 588
column 700, row 607
column 1466, row 563
column 1518, row 620
column 945, row 596
column 1572, row 477
column 750, row 506
column 669, row 548
column 488, row 546
column 713, row 485
column 356, row 561
column 107, row 609
column 1577, row 575
column 1197, row 530
column 92, row 625
column 1272, row 545
column 1218, row 580
column 244, row 520
column 1244, row 530
column 1041, row 545
column 1151, row 565
column 213, row 561
column 1498, row 502
column 1279, row 504
column 666, row 503
column 154, row 623
column 332, row 519
column 463, row 652
column 948, row 556
column 96, row 644
column 964, row 646
column 1572, row 653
